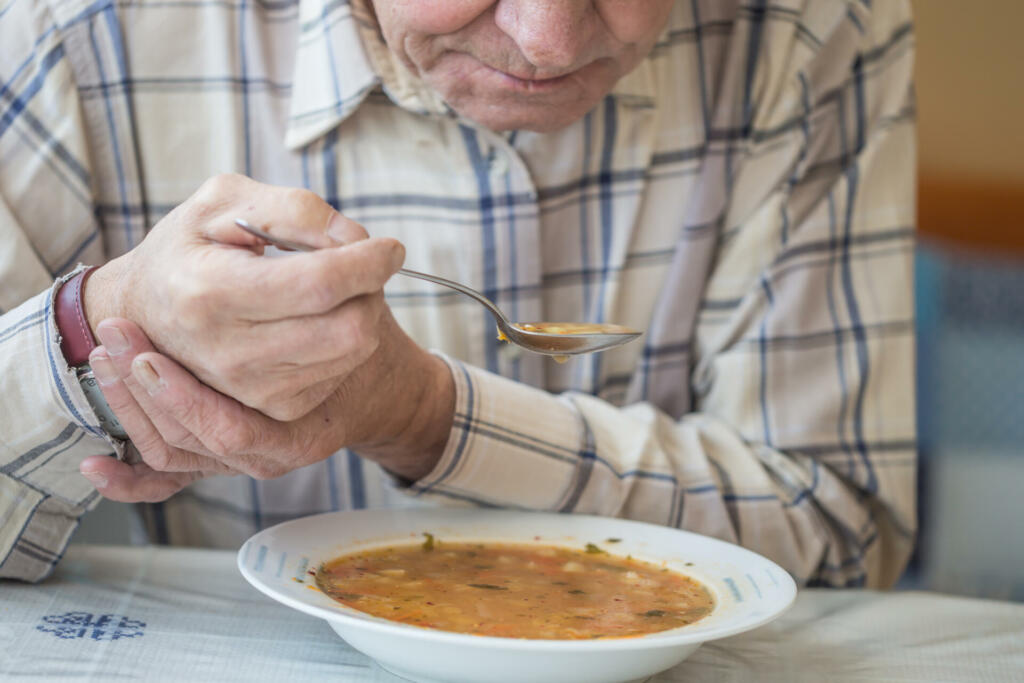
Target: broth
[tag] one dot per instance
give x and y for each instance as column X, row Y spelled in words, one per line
column 515, row 591
column 574, row 328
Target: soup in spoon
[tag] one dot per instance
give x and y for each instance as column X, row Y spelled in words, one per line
column 574, row 328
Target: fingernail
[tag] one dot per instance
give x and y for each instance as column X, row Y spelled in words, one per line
column 398, row 255
column 112, row 338
column 339, row 229
column 147, row 376
column 96, row 479
column 104, row 370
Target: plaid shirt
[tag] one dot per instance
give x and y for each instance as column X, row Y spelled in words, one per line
column 745, row 196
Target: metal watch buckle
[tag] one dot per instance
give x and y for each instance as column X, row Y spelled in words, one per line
column 91, row 386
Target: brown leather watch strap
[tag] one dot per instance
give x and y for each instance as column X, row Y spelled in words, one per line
column 76, row 340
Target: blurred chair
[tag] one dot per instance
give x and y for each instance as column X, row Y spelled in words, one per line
column 970, row 318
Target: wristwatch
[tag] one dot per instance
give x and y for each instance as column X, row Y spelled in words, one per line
column 76, row 342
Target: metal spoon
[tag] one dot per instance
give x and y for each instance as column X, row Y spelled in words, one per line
column 548, row 343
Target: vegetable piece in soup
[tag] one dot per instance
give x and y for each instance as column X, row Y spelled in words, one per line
column 515, row 591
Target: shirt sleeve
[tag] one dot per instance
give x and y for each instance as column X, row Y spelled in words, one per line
column 46, row 424
column 810, row 333
column 46, row 429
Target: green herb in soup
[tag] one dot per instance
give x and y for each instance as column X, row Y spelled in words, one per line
column 515, row 591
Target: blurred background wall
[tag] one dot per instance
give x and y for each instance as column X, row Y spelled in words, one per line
column 970, row 297
column 970, row 79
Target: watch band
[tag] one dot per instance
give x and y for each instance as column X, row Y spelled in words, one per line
column 76, row 343
column 76, row 340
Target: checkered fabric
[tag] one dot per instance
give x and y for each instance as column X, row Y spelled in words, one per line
column 745, row 197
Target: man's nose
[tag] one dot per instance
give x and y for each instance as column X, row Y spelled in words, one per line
column 551, row 34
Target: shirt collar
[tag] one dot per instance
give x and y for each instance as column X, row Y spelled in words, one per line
column 341, row 57
column 333, row 74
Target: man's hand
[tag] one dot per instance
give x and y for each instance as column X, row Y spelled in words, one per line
column 165, row 469
column 396, row 408
column 278, row 335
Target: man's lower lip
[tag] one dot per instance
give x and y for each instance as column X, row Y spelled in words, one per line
column 532, row 85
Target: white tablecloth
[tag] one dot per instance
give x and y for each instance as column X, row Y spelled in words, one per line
column 187, row 615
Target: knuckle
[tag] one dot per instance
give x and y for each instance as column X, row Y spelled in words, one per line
column 155, row 454
column 394, row 252
column 311, row 450
column 216, row 193
column 303, row 200
column 229, row 437
column 286, row 410
column 320, row 293
column 281, row 413
column 383, row 256
column 265, row 469
column 180, row 441
column 190, row 414
column 219, row 468
column 217, row 186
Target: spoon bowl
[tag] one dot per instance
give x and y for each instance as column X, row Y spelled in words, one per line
column 550, row 339
column 539, row 338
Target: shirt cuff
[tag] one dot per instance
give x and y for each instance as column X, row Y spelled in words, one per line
column 46, row 423
column 511, row 445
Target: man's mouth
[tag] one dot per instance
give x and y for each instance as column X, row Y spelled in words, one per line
column 531, row 84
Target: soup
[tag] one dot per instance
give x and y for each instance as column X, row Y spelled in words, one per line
column 515, row 591
column 574, row 328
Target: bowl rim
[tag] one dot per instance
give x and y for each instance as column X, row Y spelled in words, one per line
column 682, row 635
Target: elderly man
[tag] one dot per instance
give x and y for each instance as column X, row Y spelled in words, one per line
column 736, row 180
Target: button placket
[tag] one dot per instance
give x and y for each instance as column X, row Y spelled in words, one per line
column 521, row 220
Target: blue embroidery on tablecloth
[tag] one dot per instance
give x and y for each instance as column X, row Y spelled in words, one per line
column 72, row 625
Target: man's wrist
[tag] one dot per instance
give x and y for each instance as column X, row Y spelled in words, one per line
column 101, row 297
column 416, row 446
column 434, row 420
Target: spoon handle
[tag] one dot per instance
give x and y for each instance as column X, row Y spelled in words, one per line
column 458, row 287
column 299, row 246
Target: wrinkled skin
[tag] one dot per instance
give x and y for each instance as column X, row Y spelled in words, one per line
column 522, row 64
